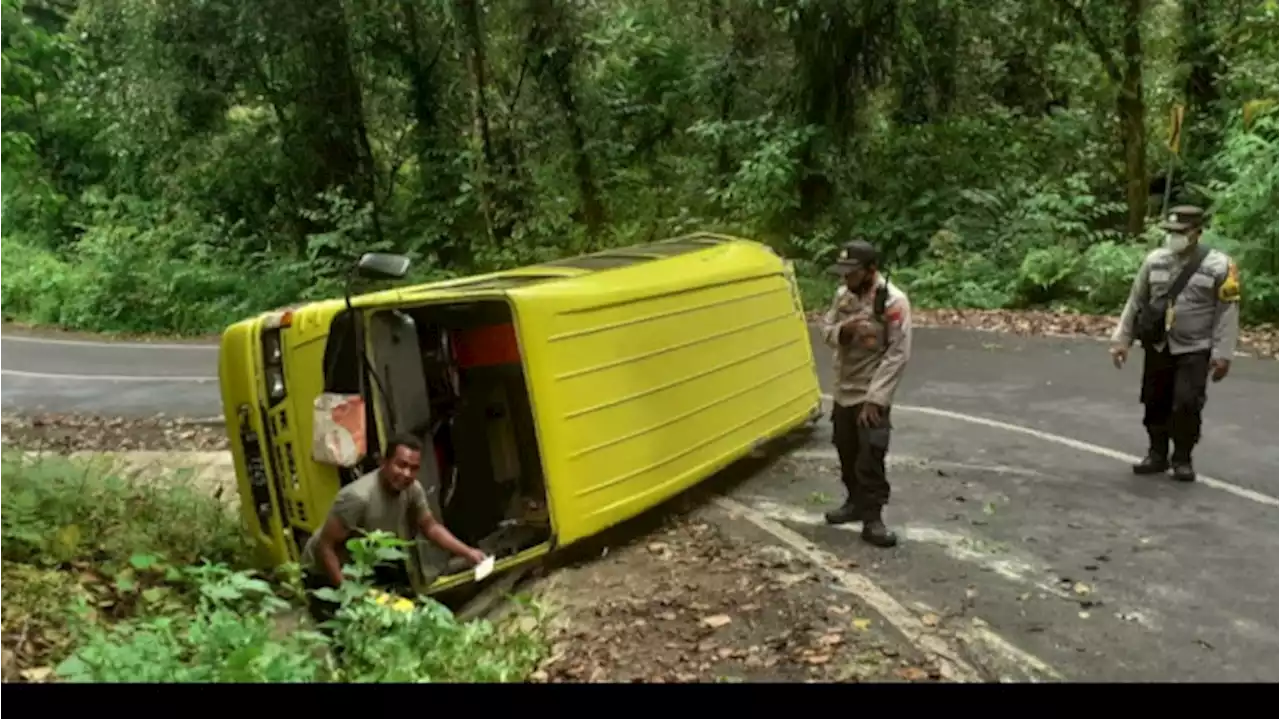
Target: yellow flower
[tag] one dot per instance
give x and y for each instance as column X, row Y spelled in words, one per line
column 403, row 605
column 383, row 598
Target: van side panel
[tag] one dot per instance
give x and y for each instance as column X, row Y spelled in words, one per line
column 652, row 377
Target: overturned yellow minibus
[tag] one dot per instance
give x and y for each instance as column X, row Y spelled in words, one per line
column 555, row 400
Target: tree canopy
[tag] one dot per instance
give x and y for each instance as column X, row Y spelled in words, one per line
column 170, row 166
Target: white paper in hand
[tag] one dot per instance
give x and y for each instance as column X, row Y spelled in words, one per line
column 484, row 569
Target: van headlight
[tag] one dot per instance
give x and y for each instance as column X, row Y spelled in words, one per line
column 271, row 347
column 273, row 366
column 275, row 383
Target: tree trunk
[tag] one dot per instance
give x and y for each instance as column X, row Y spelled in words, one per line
column 474, row 50
column 331, row 150
column 725, row 87
column 1132, row 112
column 592, row 208
column 1200, row 54
column 553, row 42
column 1126, row 73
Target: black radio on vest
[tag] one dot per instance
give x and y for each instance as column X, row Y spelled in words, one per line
column 1153, row 312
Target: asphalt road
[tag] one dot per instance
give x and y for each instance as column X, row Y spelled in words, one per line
column 1013, row 502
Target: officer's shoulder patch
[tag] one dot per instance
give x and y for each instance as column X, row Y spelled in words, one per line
column 1229, row 290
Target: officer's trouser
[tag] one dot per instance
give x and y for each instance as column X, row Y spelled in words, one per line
column 862, row 453
column 1173, row 393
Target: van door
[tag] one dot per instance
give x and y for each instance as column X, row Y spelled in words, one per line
column 405, row 403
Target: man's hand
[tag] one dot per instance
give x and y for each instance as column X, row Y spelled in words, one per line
column 1119, row 355
column 1220, row 367
column 845, row 330
column 473, row 555
column 869, row 415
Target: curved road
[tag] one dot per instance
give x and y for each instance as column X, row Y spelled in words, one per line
column 1010, row 485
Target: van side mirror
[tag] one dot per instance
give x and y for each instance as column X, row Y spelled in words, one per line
column 382, row 265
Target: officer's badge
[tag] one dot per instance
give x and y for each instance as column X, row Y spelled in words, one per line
column 1230, row 289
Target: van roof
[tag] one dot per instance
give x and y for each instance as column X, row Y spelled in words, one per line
column 568, row 268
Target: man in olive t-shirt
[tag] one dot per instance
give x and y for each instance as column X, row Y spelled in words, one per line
column 388, row 499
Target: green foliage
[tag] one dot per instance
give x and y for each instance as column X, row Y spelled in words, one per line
column 120, row 579
column 172, row 169
column 234, row 636
column 58, row 512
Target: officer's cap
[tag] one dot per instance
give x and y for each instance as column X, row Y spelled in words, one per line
column 854, row 256
column 1183, row 218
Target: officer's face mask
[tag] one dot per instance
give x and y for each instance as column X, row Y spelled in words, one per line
column 1176, row 241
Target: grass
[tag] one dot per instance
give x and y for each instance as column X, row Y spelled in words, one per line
column 110, row 579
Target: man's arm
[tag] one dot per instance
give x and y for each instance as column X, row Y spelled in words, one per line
column 437, row 532
column 889, row 373
column 832, row 331
column 1226, row 317
column 1122, row 336
column 344, row 518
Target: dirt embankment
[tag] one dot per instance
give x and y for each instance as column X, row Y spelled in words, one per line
column 1262, row 341
column 702, row 600
column 65, row 433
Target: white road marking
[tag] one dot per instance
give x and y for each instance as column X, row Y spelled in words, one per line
column 1082, row 446
column 104, row 377
column 902, row 619
column 992, row 557
column 952, row 667
column 115, row 345
column 911, row 461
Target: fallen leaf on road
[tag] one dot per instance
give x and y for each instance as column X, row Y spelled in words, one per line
column 862, row 625
column 37, row 674
column 1024, row 597
column 971, row 592
column 658, row 547
column 818, row 659
column 1081, row 588
column 1084, row 615
column 930, row 620
column 716, row 621
column 912, row 674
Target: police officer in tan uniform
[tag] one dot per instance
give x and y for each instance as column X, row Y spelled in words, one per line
column 1184, row 338
column 869, row 329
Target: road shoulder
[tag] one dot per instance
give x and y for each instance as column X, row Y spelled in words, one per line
column 710, row 597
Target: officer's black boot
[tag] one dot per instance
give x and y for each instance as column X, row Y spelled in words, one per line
column 845, row 513
column 1182, row 469
column 874, row 532
column 1157, row 459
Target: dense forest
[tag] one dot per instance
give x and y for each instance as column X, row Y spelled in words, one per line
column 170, row 165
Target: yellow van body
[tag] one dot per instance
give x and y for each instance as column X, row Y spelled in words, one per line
column 643, row 371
